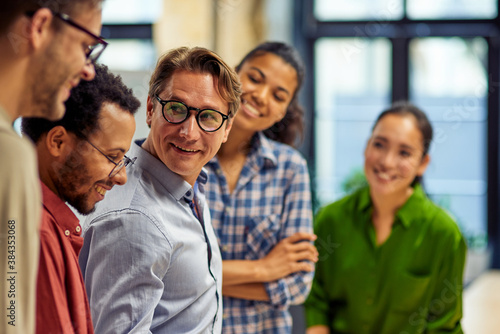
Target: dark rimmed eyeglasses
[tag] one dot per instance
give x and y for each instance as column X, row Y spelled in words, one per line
column 118, row 165
column 94, row 51
column 176, row 112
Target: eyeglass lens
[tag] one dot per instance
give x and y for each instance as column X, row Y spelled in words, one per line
column 117, row 168
column 121, row 164
column 176, row 112
column 94, row 52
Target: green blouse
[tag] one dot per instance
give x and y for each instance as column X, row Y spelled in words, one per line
column 412, row 283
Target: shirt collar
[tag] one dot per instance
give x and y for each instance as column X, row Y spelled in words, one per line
column 365, row 201
column 412, row 210
column 261, row 150
column 62, row 214
column 172, row 182
column 407, row 214
column 261, row 146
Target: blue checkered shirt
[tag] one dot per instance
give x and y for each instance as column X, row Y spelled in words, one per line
column 271, row 201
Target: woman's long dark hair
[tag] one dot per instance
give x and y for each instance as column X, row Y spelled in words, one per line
column 290, row 130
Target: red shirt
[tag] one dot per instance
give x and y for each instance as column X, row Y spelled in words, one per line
column 62, row 305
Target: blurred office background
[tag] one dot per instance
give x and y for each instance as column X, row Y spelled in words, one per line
column 139, row 31
column 444, row 55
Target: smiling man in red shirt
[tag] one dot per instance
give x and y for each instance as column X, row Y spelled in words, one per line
column 80, row 158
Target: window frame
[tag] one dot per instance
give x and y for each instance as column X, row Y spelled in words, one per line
column 307, row 30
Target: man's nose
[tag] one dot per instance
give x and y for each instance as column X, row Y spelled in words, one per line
column 120, row 178
column 88, row 71
column 189, row 128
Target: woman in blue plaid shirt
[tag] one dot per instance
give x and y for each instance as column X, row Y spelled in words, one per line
column 259, row 196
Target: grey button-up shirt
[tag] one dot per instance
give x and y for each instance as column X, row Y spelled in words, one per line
column 149, row 265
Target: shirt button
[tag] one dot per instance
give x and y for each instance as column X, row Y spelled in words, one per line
column 225, row 248
column 227, row 210
column 219, row 171
column 78, row 229
column 67, row 233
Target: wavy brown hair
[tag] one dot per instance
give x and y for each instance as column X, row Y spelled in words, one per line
column 198, row 60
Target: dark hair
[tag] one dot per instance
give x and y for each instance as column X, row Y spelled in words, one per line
column 198, row 60
column 405, row 108
column 290, row 130
column 10, row 10
column 83, row 107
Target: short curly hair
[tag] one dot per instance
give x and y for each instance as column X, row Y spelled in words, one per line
column 83, row 107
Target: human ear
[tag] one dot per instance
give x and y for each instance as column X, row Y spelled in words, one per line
column 39, row 30
column 57, row 140
column 28, row 33
column 423, row 164
column 149, row 111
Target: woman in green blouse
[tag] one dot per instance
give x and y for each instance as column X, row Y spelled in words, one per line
column 390, row 260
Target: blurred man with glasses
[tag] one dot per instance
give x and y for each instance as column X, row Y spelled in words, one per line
column 150, row 259
column 46, row 48
column 80, row 157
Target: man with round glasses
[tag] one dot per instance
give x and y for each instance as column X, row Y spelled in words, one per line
column 176, row 112
column 150, row 259
column 43, row 56
column 81, row 157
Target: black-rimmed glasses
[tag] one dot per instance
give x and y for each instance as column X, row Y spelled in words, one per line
column 94, row 51
column 176, row 112
column 118, row 165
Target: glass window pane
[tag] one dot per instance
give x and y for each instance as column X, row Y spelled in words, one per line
column 353, row 85
column 129, row 54
column 452, row 9
column 448, row 80
column 348, row 10
column 131, row 11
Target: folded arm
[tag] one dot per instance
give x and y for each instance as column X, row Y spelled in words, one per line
column 245, row 278
column 283, row 275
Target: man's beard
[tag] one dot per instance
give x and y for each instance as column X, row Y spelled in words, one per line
column 45, row 86
column 71, row 176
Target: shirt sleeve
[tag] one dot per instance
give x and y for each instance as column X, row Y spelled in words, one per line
column 317, row 304
column 124, row 259
column 296, row 217
column 51, row 289
column 445, row 310
column 20, row 206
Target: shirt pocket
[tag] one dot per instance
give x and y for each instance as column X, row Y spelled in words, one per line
column 410, row 292
column 262, row 235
